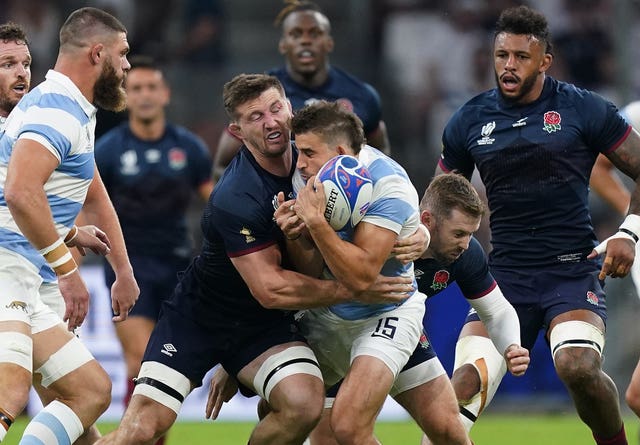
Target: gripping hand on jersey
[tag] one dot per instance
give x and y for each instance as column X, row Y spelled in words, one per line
column 286, row 218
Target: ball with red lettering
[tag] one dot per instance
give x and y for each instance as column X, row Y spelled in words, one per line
column 348, row 190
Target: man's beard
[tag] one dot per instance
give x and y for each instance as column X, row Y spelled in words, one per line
column 525, row 88
column 108, row 92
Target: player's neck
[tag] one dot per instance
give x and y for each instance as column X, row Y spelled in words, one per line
column 313, row 80
column 148, row 130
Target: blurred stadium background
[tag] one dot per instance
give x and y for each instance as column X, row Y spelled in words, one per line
column 425, row 57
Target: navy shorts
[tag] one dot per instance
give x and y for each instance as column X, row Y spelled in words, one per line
column 192, row 349
column 157, row 278
column 540, row 294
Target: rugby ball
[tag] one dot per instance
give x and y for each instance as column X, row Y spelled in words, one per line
column 348, row 190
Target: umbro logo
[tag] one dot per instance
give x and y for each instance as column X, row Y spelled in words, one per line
column 168, row 349
column 520, row 122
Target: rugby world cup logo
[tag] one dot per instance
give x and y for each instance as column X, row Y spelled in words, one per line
column 552, row 121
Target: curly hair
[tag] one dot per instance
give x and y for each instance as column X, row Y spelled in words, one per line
column 295, row 6
column 12, row 32
column 522, row 20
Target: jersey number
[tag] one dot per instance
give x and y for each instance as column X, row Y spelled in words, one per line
column 386, row 328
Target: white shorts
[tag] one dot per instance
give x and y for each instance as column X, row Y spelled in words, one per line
column 20, row 287
column 391, row 337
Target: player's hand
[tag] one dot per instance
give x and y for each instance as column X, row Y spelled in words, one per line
column 91, row 237
column 222, row 388
column 619, row 252
column 412, row 247
column 517, row 359
column 387, row 290
column 76, row 299
column 285, row 216
column 124, row 294
column 310, row 203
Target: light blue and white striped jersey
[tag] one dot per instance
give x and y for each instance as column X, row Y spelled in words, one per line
column 56, row 115
column 395, row 206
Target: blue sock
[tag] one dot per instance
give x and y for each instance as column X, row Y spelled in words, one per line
column 55, row 424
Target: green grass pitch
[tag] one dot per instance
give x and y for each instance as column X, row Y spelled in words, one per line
column 493, row 429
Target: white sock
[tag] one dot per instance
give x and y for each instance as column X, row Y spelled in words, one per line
column 56, row 424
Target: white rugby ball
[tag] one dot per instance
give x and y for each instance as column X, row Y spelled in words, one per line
column 348, row 190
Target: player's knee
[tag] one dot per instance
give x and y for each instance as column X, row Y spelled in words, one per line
column 302, row 408
column 347, row 431
column 466, row 382
column 576, row 348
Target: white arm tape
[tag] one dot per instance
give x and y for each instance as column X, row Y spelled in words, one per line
column 427, row 234
column 632, row 224
column 499, row 317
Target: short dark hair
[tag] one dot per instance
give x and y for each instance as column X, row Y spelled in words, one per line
column 85, row 22
column 331, row 121
column 143, row 61
column 522, row 20
column 292, row 6
column 12, row 32
column 452, row 191
column 245, row 87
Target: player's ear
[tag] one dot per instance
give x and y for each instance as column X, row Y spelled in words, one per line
column 281, row 46
column 95, row 53
column 234, row 129
column 547, row 59
column 427, row 219
column 341, row 150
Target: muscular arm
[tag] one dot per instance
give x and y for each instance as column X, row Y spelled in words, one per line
column 30, row 166
column 606, row 183
column 99, row 211
column 228, row 147
column 355, row 264
column 627, row 159
column 278, row 288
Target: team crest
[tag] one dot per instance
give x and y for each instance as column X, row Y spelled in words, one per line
column 248, row 236
column 440, row 280
column 592, row 298
column 177, row 158
column 424, row 341
column 15, row 304
column 552, row 121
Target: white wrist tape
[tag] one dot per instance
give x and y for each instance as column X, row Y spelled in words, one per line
column 602, row 247
column 631, row 226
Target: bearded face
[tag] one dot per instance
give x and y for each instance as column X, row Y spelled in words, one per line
column 108, row 92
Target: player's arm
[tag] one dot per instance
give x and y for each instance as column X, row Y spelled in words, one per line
column 503, row 326
column 379, row 138
column 619, row 249
column 228, row 147
column 99, row 210
column 355, row 264
column 205, row 189
column 30, row 167
column 606, row 183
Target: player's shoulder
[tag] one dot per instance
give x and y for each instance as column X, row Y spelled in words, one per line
column 351, row 80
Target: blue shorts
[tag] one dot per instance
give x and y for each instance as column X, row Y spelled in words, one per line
column 193, row 349
column 157, row 278
column 541, row 294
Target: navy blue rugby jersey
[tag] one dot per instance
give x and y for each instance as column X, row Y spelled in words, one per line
column 238, row 220
column 151, row 183
column 354, row 94
column 535, row 161
column 470, row 271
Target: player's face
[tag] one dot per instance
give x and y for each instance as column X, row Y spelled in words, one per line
column 313, row 153
column 450, row 236
column 15, row 74
column 264, row 124
column 108, row 91
column 306, row 42
column 147, row 94
column 520, row 62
